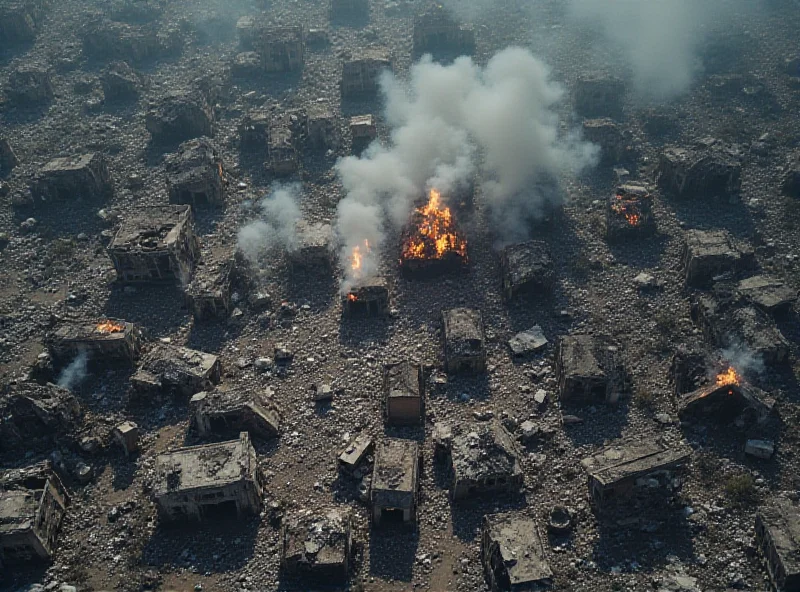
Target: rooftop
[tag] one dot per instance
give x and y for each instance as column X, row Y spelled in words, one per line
column 174, row 358
column 463, row 325
column 630, row 458
column 317, row 537
column 151, row 228
column 396, row 464
column 69, row 163
column 17, row 510
column 486, row 451
column 782, row 519
column 403, row 379
column 521, row 547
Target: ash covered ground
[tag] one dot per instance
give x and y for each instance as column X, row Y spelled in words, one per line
column 686, row 76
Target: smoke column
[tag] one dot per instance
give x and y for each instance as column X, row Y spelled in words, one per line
column 277, row 226
column 75, row 373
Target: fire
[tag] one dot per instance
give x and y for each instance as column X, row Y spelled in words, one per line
column 352, row 297
column 109, row 327
column 435, row 235
column 357, row 257
column 627, row 209
column 728, row 377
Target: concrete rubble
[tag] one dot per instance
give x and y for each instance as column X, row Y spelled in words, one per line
column 219, row 412
column 708, row 168
column 317, row 544
column 174, row 368
column 195, row 174
column 528, row 342
column 513, row 553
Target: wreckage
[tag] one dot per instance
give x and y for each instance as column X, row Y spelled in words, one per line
column 73, row 177
column 360, row 74
column 403, row 393
column 588, row 371
column 778, row 538
column 629, row 212
column 712, row 254
column 174, row 368
column 729, row 397
column 431, row 241
column 109, row 340
column 219, row 412
column 317, row 544
column 180, row 116
column 709, row 168
column 395, row 482
column 34, row 414
column 369, row 297
column 527, row 267
column 209, row 293
column 464, row 340
column 195, row 174
column 513, row 554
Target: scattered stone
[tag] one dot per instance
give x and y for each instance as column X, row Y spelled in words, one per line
column 763, row 449
column 528, row 342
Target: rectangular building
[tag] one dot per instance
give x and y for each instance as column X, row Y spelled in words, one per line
column 395, row 482
column 220, row 412
column 282, row 49
column 195, row 175
column 179, row 369
column 527, row 267
column 361, row 74
column 464, row 340
column 106, row 341
column 485, row 460
column 403, row 393
column 84, row 177
column 778, row 539
column 513, row 554
column 317, row 544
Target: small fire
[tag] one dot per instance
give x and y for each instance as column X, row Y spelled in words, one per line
column 435, row 234
column 109, row 327
column 357, row 257
column 219, row 168
column 728, row 377
column 352, row 297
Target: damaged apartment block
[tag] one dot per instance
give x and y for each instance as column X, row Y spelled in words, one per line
column 778, row 539
column 513, row 554
column 73, row 178
column 180, row 116
column 195, row 175
column 370, row 297
column 710, row 168
column 282, row 49
column 587, row 371
column 282, row 146
column 317, row 544
column 395, row 482
column 361, row 74
column 104, row 342
column 464, row 340
column 599, row 96
column 403, row 393
column 362, row 131
column 629, row 212
column 208, row 294
column 629, row 469
column 220, row 412
column 314, row 247
column 436, row 29
column 208, row 481
column 33, row 414
column 527, row 268
column 709, row 255
column 322, row 129
column 33, row 503
column 606, row 134
column 155, row 244
column 175, row 368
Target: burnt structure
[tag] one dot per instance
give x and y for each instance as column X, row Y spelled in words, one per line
column 317, row 544
column 790, row 184
column 778, row 538
column 195, row 175
column 629, row 212
column 464, row 340
column 599, row 96
column 155, row 244
column 180, row 116
column 322, row 130
column 527, row 267
column 723, row 401
column 606, row 134
column 513, row 554
column 29, row 86
column 769, row 294
column 314, row 247
column 707, row 169
column 362, row 131
column 588, row 371
column 84, row 177
column 208, row 481
column 369, row 297
column 355, row 453
column 282, row 49
column 630, row 470
column 395, row 482
column 361, row 73
column 208, row 294
column 484, row 460
column 219, row 412
column 120, row 82
column 103, row 342
column 282, row 147
column 33, row 503
column 403, row 393
column 34, row 414
column 436, row 29
column 8, row 158
column 174, row 368
column 710, row 254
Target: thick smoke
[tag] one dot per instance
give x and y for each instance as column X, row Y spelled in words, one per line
column 75, row 373
column 439, row 120
column 277, row 226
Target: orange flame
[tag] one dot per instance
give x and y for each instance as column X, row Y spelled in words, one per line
column 357, row 257
column 728, row 377
column 352, row 297
column 435, row 234
column 109, row 327
column 628, row 209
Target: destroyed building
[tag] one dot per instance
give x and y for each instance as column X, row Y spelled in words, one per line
column 19, row 21
column 126, row 435
column 778, row 538
column 175, row 368
column 588, row 371
column 432, row 242
column 34, row 414
column 209, row 293
column 356, row 453
column 403, row 393
column 395, row 482
column 484, row 460
column 362, row 131
column 282, row 49
column 29, row 86
column 180, row 116
column 629, row 212
column 464, row 340
column 220, row 412
column 322, row 128
column 106, row 341
column 314, row 247
column 120, row 82
column 195, row 174
column 790, row 183
column 8, row 158
column 707, row 169
column 282, row 148
column 360, row 75
column 73, row 178
column 727, row 398
column 710, row 254
column 513, row 554
column 33, row 503
column 436, row 29
column 209, row 481
column 527, row 267
column 629, row 469
column 104, row 39
column 606, row 134
column 254, row 130
column 155, row 244
column 317, row 544
column 771, row 295
column 369, row 297
column 599, row 95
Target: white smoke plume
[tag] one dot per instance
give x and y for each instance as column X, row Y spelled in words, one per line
column 439, row 120
column 745, row 362
column 277, row 226
column 75, row 373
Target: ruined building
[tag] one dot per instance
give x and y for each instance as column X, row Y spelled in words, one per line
column 126, row 435
column 587, row 371
column 208, row 294
column 36, row 415
column 707, row 169
column 355, row 453
column 771, row 295
column 631, row 468
column 436, row 29
column 370, row 297
column 174, row 368
column 314, row 247
column 322, row 128
column 709, row 254
column 282, row 148
column 362, row 131
column 120, row 82
column 282, row 49
column 599, row 96
column 29, row 86
column 155, row 244
column 403, row 393
column 513, row 554
column 778, row 539
column 361, row 73
column 73, row 178
column 727, row 398
column 464, row 340
column 629, row 212
column 195, row 175
column 104, row 342
column 608, row 135
column 219, row 412
column 395, row 482
column 254, row 131
column 209, row 481
column 104, row 39
column 317, row 544
column 19, row 21
column 527, row 267
column 33, row 502
column 180, row 116
column 484, row 460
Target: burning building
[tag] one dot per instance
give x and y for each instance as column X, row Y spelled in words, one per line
column 73, row 178
column 709, row 254
column 33, row 503
column 369, row 296
column 34, row 414
column 527, row 267
column 360, row 74
column 195, row 175
column 174, row 368
column 464, row 340
column 395, row 482
column 103, row 342
column 156, row 244
column 317, row 544
column 587, row 371
column 629, row 212
column 778, row 538
column 314, row 246
column 599, row 96
column 630, row 469
column 208, row 481
column 513, row 554
column 709, row 168
column 403, row 393
column 436, row 29
column 431, row 238
column 219, row 412
column 180, row 116
column 771, row 295
column 282, row 49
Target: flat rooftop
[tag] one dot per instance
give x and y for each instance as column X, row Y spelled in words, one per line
column 396, row 463
column 151, row 229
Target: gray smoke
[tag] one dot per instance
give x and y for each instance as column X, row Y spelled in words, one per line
column 277, row 226
column 439, row 120
column 75, row 373
column 745, row 362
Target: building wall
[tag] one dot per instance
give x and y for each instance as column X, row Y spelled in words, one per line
column 464, row 487
column 465, row 363
column 404, row 410
column 175, row 506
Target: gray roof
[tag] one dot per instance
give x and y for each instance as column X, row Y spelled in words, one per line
column 628, row 459
column 521, row 547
